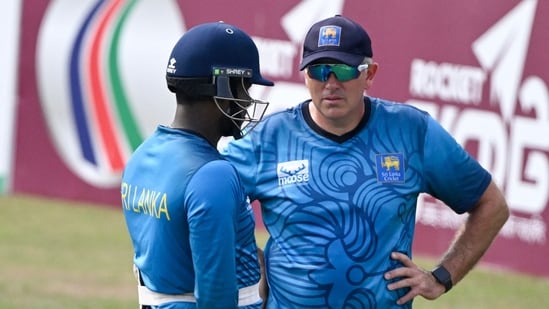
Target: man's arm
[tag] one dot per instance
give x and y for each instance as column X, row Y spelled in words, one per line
column 471, row 242
column 477, row 233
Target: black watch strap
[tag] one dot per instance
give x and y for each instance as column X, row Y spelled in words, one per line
column 442, row 275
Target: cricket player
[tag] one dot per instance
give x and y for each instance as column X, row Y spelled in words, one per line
column 190, row 223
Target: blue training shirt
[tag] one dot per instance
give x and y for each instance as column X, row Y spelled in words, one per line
column 336, row 207
column 190, row 223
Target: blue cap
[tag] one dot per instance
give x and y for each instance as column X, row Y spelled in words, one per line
column 207, row 47
column 338, row 38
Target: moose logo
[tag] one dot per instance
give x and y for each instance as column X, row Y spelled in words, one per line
column 292, row 172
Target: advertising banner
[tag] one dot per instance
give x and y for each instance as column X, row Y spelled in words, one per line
column 91, row 88
column 9, row 31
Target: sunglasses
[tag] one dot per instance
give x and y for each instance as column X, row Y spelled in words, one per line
column 342, row 72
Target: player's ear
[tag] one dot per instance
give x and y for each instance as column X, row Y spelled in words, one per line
column 306, row 77
column 370, row 74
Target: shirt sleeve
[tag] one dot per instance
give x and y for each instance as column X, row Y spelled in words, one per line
column 213, row 198
column 242, row 155
column 452, row 175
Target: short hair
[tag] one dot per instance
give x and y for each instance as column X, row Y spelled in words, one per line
column 202, row 89
column 367, row 60
column 191, row 89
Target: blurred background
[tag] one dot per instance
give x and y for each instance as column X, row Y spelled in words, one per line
column 82, row 84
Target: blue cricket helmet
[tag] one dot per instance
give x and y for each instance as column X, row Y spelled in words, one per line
column 210, row 46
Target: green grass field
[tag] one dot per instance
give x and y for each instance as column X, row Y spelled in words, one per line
column 58, row 254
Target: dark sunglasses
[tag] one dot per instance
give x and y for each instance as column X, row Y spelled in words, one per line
column 342, row 72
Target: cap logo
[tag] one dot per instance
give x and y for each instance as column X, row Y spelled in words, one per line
column 329, row 36
column 233, row 72
column 171, row 66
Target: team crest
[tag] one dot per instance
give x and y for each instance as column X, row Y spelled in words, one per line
column 390, row 167
column 329, row 36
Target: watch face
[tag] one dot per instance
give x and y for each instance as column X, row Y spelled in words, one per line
column 442, row 275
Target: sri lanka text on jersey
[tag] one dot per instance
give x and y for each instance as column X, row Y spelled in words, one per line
column 146, row 201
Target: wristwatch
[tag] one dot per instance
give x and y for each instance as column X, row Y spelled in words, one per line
column 442, row 275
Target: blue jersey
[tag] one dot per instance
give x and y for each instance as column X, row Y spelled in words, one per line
column 190, row 223
column 337, row 206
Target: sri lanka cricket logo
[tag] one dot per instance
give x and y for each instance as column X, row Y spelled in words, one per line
column 390, row 167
